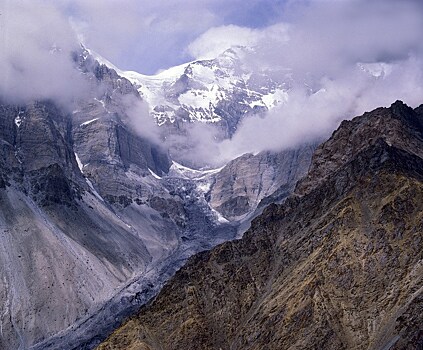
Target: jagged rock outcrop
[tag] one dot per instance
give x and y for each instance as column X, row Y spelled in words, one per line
column 337, row 266
column 399, row 125
column 244, row 182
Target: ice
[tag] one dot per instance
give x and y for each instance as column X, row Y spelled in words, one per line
column 90, row 184
column 154, row 174
column 80, row 165
column 19, row 119
column 89, row 122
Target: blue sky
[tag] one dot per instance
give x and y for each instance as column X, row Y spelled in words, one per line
column 147, row 36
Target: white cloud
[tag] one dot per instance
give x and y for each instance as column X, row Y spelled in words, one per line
column 309, row 117
column 148, row 35
column 142, row 35
column 35, row 58
column 323, row 44
column 218, row 39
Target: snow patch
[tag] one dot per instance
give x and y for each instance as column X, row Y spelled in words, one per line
column 101, row 102
column 179, row 170
column 154, row 174
column 204, row 187
column 89, row 122
column 377, row 69
column 103, row 61
column 19, row 119
column 258, row 103
column 80, row 165
column 273, row 99
column 220, row 218
column 18, row 157
column 90, row 184
column 210, row 82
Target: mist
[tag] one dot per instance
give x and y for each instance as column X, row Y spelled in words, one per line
column 343, row 58
column 148, row 36
column 140, row 119
column 35, row 57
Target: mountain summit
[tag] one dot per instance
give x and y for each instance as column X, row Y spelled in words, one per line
column 221, row 91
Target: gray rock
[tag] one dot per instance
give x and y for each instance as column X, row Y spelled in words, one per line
column 244, row 182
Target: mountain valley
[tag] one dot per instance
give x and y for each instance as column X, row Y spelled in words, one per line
column 96, row 217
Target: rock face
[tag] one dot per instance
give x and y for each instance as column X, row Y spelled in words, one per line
column 337, row 266
column 244, row 182
column 63, row 248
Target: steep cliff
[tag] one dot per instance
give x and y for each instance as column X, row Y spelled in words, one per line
column 244, row 182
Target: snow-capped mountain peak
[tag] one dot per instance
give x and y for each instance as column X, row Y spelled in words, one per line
column 220, row 90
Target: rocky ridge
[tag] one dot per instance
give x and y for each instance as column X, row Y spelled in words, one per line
column 337, row 266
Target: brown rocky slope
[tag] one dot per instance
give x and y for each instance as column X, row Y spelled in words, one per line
column 337, row 266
